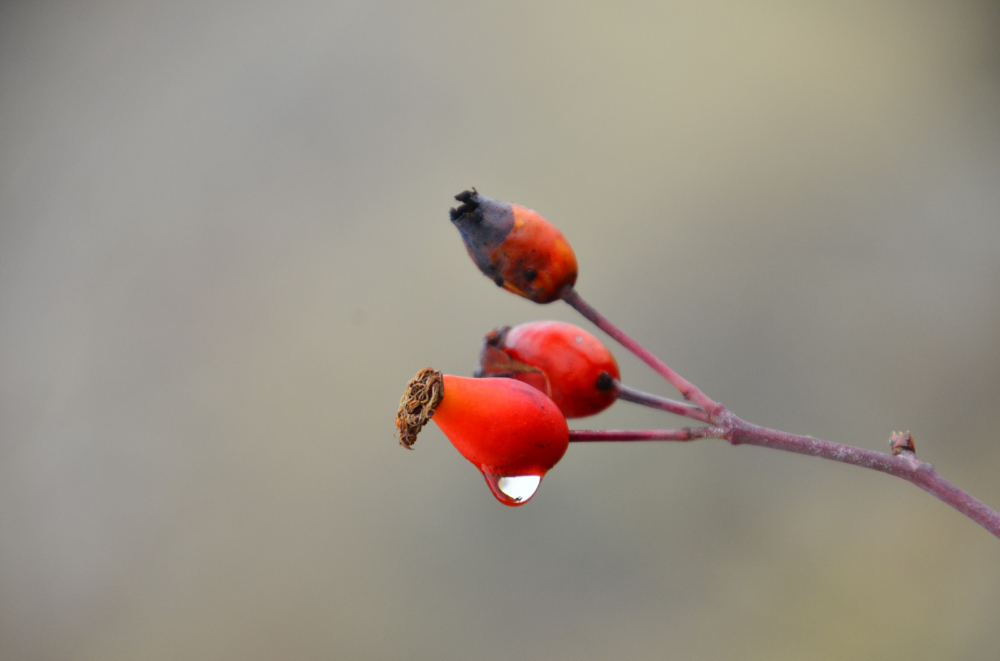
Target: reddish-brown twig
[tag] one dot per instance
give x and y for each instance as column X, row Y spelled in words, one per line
column 655, row 401
column 904, row 465
column 737, row 431
column 687, row 389
column 686, row 434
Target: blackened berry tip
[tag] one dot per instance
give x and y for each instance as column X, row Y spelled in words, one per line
column 470, row 202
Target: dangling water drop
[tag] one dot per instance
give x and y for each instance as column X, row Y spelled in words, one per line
column 513, row 490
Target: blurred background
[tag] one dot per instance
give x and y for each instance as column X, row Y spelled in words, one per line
column 225, row 248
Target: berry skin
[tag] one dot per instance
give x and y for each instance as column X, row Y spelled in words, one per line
column 507, row 429
column 562, row 360
column 515, row 247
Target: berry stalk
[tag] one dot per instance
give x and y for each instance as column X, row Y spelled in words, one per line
column 686, row 434
column 628, row 394
column 689, row 391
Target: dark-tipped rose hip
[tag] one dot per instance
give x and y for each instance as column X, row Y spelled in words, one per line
column 515, row 247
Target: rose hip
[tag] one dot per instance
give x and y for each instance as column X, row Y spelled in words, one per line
column 562, row 360
column 515, row 247
column 510, row 431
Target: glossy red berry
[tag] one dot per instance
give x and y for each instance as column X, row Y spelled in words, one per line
column 515, row 247
column 510, row 431
column 562, row 360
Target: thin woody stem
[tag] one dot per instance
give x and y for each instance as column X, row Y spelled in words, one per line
column 685, row 387
column 686, row 434
column 655, row 401
column 737, row 431
column 905, row 465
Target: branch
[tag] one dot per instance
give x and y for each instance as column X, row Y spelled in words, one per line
column 687, row 389
column 902, row 463
column 686, row 434
column 656, row 402
column 905, row 465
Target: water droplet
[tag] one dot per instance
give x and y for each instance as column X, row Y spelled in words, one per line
column 513, row 490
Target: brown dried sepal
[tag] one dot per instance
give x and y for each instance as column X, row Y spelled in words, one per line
column 494, row 361
column 416, row 408
column 902, row 441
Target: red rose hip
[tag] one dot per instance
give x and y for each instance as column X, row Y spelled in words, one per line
column 510, row 431
column 562, row 360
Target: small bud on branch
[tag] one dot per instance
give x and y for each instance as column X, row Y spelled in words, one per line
column 900, row 442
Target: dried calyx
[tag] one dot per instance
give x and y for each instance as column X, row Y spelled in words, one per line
column 416, row 407
column 494, row 362
column 469, row 203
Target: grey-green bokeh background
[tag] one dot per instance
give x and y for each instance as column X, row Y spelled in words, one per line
column 224, row 249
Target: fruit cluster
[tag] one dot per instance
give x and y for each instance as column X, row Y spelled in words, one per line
column 510, row 419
